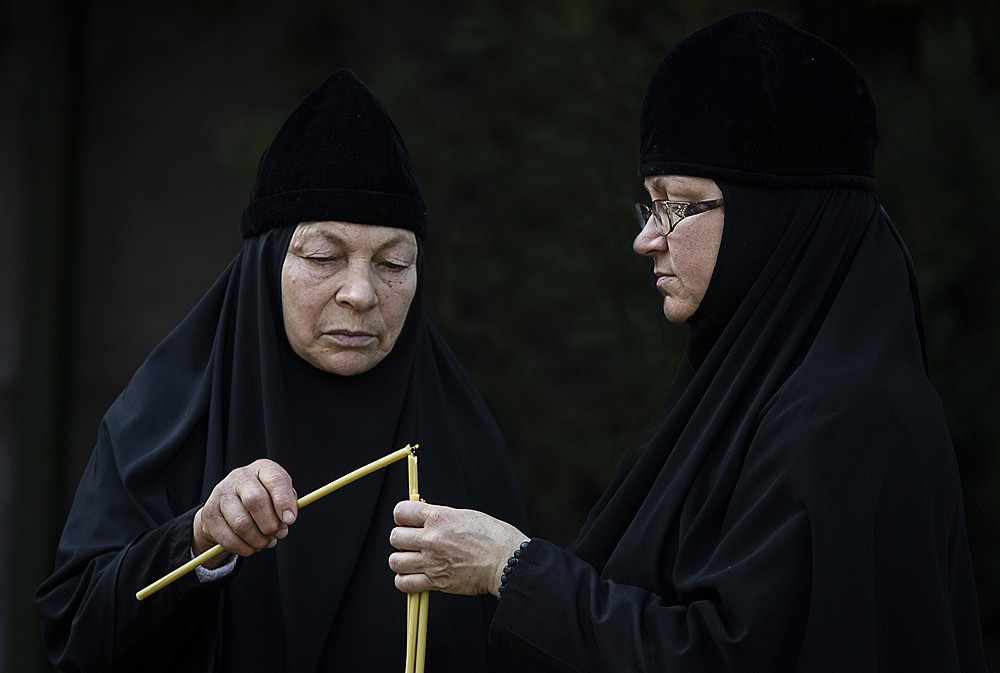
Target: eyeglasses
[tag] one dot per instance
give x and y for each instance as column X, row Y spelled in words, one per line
column 672, row 211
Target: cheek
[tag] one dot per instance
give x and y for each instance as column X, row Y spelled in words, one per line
column 300, row 308
column 395, row 307
column 696, row 259
column 703, row 265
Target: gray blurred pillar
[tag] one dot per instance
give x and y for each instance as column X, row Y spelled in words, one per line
column 43, row 366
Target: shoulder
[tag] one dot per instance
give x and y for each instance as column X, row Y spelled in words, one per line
column 849, row 426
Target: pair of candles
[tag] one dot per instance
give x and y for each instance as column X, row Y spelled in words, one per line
column 416, row 604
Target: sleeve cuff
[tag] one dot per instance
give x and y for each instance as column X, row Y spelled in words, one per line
column 212, row 574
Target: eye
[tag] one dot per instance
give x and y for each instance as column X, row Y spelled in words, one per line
column 393, row 267
column 318, row 255
column 322, row 261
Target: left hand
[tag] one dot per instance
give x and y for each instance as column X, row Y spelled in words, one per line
column 458, row 551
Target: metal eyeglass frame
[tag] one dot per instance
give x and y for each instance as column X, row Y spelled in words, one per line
column 675, row 212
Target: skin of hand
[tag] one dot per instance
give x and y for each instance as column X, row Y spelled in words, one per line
column 458, row 551
column 248, row 511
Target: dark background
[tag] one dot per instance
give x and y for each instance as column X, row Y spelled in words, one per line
column 129, row 133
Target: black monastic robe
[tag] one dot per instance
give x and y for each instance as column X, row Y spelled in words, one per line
column 223, row 389
column 797, row 505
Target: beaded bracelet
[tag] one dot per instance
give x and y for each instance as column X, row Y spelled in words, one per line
column 509, row 568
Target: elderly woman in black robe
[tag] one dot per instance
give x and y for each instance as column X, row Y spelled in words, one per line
column 796, row 506
column 309, row 357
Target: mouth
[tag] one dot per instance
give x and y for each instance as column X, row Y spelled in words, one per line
column 346, row 338
column 664, row 280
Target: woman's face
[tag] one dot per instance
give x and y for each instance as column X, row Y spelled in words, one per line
column 684, row 260
column 345, row 292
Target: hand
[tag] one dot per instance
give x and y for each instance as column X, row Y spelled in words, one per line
column 247, row 511
column 458, row 551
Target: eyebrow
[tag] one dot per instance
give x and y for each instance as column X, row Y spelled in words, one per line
column 337, row 240
column 657, row 182
column 683, row 188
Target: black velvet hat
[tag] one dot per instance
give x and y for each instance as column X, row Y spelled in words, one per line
column 338, row 157
column 751, row 98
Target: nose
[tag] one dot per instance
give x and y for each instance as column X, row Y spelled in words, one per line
column 357, row 288
column 649, row 241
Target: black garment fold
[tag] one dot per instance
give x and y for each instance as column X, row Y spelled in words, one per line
column 222, row 390
column 797, row 506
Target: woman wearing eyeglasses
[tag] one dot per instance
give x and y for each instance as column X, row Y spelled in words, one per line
column 796, row 505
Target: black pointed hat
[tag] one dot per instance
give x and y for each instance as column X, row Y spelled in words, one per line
column 753, row 99
column 338, row 157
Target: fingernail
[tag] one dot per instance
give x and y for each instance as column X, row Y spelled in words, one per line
column 287, row 516
column 270, row 545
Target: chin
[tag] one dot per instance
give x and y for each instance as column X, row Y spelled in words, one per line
column 346, row 364
column 676, row 313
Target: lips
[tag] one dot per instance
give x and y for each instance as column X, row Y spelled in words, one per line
column 350, row 338
column 663, row 280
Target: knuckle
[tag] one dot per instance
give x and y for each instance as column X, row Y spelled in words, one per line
column 433, row 539
column 269, row 528
column 238, row 474
column 435, row 517
column 243, row 525
column 256, row 499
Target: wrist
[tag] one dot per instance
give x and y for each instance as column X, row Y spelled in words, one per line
column 200, row 544
column 509, row 567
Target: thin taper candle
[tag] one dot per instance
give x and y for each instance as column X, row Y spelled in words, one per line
column 423, row 599
column 307, row 499
column 412, row 617
column 416, row 604
column 412, row 602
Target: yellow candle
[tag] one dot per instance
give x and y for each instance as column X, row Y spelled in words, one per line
column 411, row 463
column 416, row 604
column 412, row 617
column 423, row 600
column 362, row 471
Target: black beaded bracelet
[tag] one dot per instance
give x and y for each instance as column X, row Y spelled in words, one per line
column 509, row 568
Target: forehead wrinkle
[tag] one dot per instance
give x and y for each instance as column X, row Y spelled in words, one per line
column 337, row 239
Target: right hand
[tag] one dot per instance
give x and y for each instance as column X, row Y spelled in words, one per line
column 247, row 511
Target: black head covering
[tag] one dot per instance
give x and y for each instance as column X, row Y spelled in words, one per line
column 338, row 157
column 754, row 99
column 225, row 388
column 796, row 506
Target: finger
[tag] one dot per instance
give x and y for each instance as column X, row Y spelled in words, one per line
column 412, row 512
column 216, row 530
column 413, row 584
column 257, row 501
column 279, row 485
column 241, row 524
column 406, row 539
column 405, row 562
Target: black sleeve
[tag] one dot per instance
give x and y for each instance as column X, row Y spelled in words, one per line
column 557, row 612
column 824, row 559
column 92, row 621
column 178, row 622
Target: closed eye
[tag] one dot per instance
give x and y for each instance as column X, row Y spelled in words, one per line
column 392, row 268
